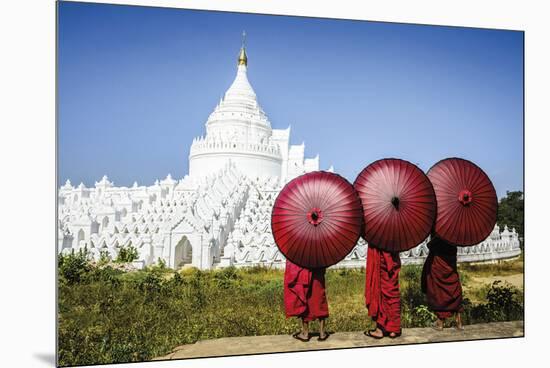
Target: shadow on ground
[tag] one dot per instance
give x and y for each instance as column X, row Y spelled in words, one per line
column 46, row 358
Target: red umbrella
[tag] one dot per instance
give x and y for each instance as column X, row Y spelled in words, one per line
column 316, row 219
column 398, row 204
column 466, row 202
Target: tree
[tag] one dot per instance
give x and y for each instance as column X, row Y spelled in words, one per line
column 510, row 211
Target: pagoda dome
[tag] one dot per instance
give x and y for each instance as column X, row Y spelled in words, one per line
column 239, row 130
column 239, row 112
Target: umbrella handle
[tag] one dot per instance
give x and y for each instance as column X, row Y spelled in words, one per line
column 465, row 197
column 315, row 216
column 395, row 202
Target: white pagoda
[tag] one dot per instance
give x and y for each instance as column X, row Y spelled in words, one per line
column 220, row 213
column 238, row 130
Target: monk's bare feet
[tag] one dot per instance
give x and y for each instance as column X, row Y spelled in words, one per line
column 438, row 325
column 302, row 336
column 323, row 335
column 377, row 333
column 393, row 335
column 459, row 326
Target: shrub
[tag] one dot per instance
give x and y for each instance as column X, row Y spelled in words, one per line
column 198, row 286
column 73, row 266
column 411, row 273
column 343, row 271
column 226, row 277
column 177, row 280
column 503, row 304
column 422, row 316
column 104, row 258
column 258, row 269
column 152, row 283
column 412, row 299
column 107, row 275
column 127, row 254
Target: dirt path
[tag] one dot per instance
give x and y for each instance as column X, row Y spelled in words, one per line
column 283, row 343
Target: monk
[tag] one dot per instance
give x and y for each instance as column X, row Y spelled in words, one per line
column 382, row 293
column 305, row 298
column 441, row 283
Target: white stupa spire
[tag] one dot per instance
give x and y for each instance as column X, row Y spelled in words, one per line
column 241, row 87
column 239, row 105
column 238, row 130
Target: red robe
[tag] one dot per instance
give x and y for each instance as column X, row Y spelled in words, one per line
column 382, row 289
column 304, row 292
column 440, row 280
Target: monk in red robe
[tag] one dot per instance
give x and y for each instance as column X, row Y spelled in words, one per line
column 382, row 292
column 441, row 282
column 305, row 298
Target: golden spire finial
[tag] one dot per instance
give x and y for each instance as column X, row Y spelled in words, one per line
column 243, row 59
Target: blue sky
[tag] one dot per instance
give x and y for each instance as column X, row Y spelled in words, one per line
column 136, row 84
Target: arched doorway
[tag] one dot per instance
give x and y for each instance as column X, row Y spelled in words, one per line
column 183, row 253
column 67, row 241
column 80, row 236
column 104, row 223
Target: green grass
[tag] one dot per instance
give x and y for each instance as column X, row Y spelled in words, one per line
column 499, row 268
column 108, row 316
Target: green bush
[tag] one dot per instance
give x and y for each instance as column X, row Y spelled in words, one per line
column 74, row 266
column 226, row 278
column 106, row 275
column 411, row 273
column 104, row 258
column 152, row 283
column 504, row 303
column 127, row 254
column 414, row 312
column 423, row 316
